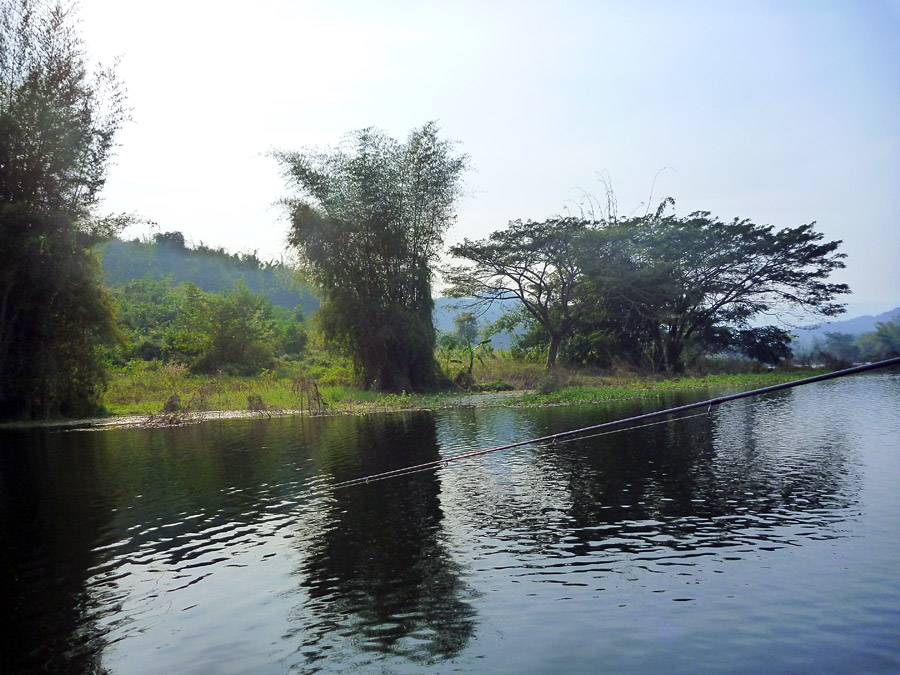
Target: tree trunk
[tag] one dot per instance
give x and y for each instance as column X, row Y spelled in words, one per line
column 674, row 348
column 555, row 340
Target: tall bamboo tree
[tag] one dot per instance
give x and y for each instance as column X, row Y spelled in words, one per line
column 57, row 129
column 368, row 220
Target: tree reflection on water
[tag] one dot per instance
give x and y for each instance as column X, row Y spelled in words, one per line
column 734, row 479
column 48, row 530
column 379, row 573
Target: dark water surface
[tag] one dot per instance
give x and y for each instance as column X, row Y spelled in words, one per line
column 762, row 538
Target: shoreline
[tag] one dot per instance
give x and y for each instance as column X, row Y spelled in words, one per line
column 572, row 395
column 186, row 418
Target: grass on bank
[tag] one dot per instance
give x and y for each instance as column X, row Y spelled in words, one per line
column 320, row 384
column 647, row 388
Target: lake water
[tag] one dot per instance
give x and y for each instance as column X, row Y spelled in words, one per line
column 764, row 537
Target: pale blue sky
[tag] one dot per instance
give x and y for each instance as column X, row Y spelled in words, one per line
column 782, row 112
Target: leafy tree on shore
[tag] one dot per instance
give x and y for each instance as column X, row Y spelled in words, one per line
column 683, row 280
column 243, row 333
column 57, row 129
column 540, row 264
column 466, row 325
column 844, row 349
column 655, row 291
column 883, row 342
column 368, row 222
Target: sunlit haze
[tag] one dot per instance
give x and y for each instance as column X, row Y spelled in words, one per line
column 783, row 113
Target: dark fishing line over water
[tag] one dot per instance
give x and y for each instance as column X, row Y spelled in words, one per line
column 761, row 538
column 568, row 435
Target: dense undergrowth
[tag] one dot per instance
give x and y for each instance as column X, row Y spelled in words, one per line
column 321, row 384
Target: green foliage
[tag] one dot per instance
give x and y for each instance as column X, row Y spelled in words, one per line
column 768, row 344
column 884, row 343
column 458, row 357
column 242, row 333
column 146, row 309
column 843, row 349
column 368, row 223
column 189, row 335
column 235, row 331
column 650, row 389
column 538, row 264
column 167, row 256
column 671, row 288
column 292, row 333
column 57, row 128
column 327, row 368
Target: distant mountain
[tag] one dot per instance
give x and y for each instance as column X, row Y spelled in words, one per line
column 447, row 309
column 855, row 326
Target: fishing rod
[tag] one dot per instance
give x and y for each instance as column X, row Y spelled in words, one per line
column 553, row 438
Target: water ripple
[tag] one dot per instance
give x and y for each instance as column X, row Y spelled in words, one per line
column 767, row 529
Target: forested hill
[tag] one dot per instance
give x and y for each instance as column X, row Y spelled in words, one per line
column 858, row 325
column 211, row 269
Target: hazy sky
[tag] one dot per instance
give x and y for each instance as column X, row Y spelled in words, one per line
column 784, row 112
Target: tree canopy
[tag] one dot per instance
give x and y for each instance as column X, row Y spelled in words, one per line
column 682, row 281
column 656, row 290
column 537, row 263
column 57, row 128
column 368, row 220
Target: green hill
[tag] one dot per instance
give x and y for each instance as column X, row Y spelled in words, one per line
column 216, row 270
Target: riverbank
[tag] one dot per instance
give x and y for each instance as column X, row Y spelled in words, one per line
column 379, row 404
column 178, row 399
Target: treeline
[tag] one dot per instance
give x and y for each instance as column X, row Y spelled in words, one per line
column 166, row 255
column 367, row 223
column 843, row 349
column 654, row 292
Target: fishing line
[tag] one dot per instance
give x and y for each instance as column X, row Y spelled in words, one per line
column 639, row 426
column 439, row 463
column 566, row 436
